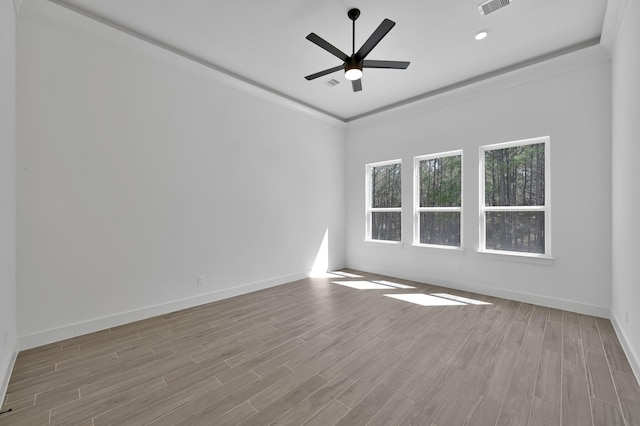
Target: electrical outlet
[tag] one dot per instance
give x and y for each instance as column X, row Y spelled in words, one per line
column 200, row 280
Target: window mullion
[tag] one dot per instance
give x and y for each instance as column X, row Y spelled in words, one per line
column 514, row 208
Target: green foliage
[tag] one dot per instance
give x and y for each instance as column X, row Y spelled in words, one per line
column 440, row 186
column 386, row 226
column 386, row 192
column 440, row 228
column 515, row 231
column 440, row 182
column 386, row 188
column 515, row 176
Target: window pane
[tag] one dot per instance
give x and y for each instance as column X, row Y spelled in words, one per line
column 385, row 186
column 440, row 228
column 385, row 226
column 440, row 182
column 515, row 231
column 515, row 176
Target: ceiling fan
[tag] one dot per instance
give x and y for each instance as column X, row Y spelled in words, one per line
column 354, row 64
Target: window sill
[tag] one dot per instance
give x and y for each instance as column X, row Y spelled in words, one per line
column 385, row 242
column 517, row 257
column 448, row 250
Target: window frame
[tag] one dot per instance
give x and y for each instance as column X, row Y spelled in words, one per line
column 369, row 209
column 546, row 208
column 417, row 209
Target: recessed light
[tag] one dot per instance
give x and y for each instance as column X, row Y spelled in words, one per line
column 481, row 35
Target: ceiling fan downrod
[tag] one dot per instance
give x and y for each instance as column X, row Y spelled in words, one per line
column 353, row 14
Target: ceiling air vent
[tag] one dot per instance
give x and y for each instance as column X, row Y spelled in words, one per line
column 331, row 83
column 491, row 6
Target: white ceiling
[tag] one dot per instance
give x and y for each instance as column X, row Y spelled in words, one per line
column 263, row 42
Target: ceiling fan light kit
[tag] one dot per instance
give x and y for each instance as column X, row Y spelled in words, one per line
column 353, row 65
column 352, row 70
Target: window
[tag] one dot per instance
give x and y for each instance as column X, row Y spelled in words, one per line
column 438, row 199
column 384, row 201
column 514, row 202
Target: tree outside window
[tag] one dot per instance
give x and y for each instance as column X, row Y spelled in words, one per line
column 438, row 209
column 515, row 199
column 384, row 204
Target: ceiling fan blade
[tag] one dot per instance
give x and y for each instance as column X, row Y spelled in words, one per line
column 399, row 65
column 375, row 38
column 325, row 72
column 316, row 39
column 357, row 85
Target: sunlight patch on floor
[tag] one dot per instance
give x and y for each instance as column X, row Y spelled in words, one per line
column 363, row 285
column 346, row 274
column 425, row 299
column 396, row 285
column 464, row 300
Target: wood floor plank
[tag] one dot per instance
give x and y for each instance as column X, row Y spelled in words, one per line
column 435, row 394
column 271, row 412
column 300, row 353
column 628, row 391
column 211, row 412
column 204, row 400
column 87, row 408
column 368, row 407
column 576, row 404
column 236, row 415
column 591, row 340
column 572, row 350
column 462, row 399
column 258, row 360
column 319, row 353
column 329, row 415
column 210, row 367
column 310, row 406
column 503, row 362
column 18, row 377
column 151, row 406
column 516, row 407
column 545, row 409
column 484, row 412
column 393, row 411
column 606, row 414
column 370, row 378
column 599, row 377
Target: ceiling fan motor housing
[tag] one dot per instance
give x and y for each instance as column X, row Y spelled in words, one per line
column 353, row 63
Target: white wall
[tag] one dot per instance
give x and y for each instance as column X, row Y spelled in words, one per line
column 140, row 170
column 626, row 175
column 7, row 192
column 568, row 99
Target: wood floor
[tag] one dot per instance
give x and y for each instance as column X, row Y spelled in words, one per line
column 334, row 351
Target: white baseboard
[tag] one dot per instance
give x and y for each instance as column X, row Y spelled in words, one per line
column 632, row 355
column 5, row 372
column 535, row 299
column 102, row 323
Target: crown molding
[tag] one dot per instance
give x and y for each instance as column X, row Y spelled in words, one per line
column 229, row 77
column 612, row 20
